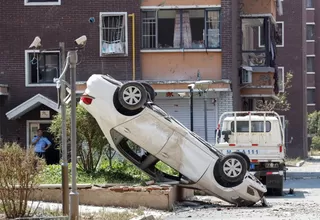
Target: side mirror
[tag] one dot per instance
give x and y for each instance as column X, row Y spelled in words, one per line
column 228, row 132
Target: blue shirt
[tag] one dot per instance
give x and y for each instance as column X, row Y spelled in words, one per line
column 41, row 144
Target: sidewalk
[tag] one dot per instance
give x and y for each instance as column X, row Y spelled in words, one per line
column 310, row 169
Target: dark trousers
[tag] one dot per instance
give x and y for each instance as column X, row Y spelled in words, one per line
column 40, row 154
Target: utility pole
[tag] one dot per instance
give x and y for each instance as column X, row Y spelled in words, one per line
column 205, row 116
column 74, row 196
column 64, row 165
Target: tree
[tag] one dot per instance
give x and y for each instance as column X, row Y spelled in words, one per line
column 281, row 103
column 91, row 142
column 314, row 129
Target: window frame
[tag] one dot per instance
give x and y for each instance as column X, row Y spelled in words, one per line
column 310, row 8
column 310, row 24
column 314, row 89
column 27, row 68
column 106, row 14
column 268, row 126
column 283, row 78
column 44, row 3
column 313, row 57
column 180, row 9
column 282, row 35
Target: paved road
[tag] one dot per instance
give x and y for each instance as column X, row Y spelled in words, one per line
column 304, row 204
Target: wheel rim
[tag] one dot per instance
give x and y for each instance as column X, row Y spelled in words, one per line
column 232, row 168
column 132, row 95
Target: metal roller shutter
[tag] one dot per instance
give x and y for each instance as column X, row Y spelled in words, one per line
column 180, row 109
column 177, row 108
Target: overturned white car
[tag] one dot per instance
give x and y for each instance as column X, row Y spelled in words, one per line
column 129, row 119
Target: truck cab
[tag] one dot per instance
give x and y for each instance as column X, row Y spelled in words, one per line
column 260, row 136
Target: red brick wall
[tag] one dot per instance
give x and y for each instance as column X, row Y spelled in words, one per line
column 19, row 25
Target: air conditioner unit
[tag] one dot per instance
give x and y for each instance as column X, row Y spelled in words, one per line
column 246, row 77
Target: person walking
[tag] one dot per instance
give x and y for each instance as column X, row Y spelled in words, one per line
column 41, row 143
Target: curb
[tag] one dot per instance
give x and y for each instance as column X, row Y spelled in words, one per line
column 303, row 178
column 300, row 163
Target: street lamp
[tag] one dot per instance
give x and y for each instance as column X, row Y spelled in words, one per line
column 204, row 85
column 71, row 61
column 191, row 87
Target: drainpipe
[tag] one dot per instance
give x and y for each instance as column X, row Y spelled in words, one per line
column 133, row 47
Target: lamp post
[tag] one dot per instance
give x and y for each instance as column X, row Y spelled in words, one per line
column 71, row 60
column 191, row 87
column 203, row 85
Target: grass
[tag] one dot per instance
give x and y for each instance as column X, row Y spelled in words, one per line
column 121, row 172
column 314, row 153
column 292, row 161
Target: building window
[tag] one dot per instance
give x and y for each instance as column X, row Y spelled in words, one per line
column 311, row 95
column 42, row 68
column 310, row 4
column 113, row 34
column 310, row 64
column 42, row 2
column 280, row 33
column 310, row 32
column 281, row 78
column 177, row 29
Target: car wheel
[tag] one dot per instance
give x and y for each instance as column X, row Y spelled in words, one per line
column 132, row 95
column 150, row 90
column 233, row 168
column 245, row 157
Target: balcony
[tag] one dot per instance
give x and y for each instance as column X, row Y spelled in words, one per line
column 260, row 36
column 259, row 7
column 178, row 43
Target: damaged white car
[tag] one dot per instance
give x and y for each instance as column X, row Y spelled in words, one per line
column 130, row 120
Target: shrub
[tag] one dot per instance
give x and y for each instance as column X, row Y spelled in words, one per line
column 315, row 143
column 19, row 170
column 91, row 142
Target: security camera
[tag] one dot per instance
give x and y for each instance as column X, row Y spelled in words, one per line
column 81, row 41
column 191, row 86
column 36, row 43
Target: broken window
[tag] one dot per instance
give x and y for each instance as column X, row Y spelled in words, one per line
column 175, row 29
column 258, row 41
column 113, row 33
column 43, row 67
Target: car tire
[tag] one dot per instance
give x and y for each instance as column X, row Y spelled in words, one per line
column 233, row 168
column 245, row 157
column 150, row 90
column 132, row 95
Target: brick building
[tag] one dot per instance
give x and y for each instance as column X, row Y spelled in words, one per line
column 177, row 42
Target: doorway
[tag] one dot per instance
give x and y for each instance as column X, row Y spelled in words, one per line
column 52, row 155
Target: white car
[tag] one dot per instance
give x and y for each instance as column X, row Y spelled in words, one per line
column 129, row 119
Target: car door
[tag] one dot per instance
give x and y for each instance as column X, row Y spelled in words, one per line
column 185, row 156
column 147, row 131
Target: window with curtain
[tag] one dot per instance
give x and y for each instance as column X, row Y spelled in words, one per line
column 181, row 28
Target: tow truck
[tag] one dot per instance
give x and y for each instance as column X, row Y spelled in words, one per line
column 259, row 137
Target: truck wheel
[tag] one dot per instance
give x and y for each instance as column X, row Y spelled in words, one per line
column 232, row 168
column 132, row 95
column 245, row 157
